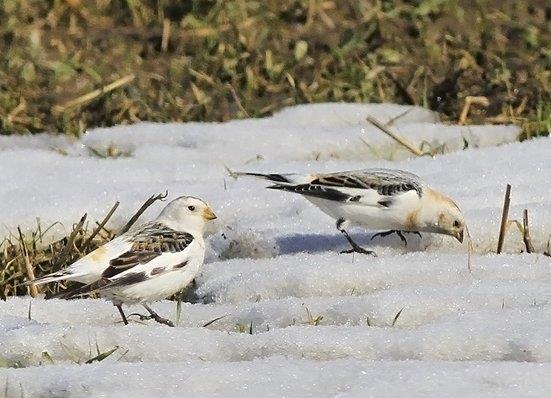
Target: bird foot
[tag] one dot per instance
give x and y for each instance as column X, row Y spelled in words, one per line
column 397, row 232
column 156, row 317
column 355, row 247
column 358, row 249
column 164, row 321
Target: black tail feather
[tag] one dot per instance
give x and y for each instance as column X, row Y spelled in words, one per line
column 270, row 177
column 77, row 291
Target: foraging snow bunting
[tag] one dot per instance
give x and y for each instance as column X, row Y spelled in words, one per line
column 375, row 198
column 147, row 264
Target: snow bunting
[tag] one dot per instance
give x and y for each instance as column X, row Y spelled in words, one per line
column 147, row 264
column 375, row 198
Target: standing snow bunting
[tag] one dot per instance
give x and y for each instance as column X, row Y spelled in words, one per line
column 375, row 198
column 148, row 264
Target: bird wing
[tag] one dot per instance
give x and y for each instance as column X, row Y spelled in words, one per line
column 148, row 243
column 385, row 182
column 152, row 250
column 370, row 187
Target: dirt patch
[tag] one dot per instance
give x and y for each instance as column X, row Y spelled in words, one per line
column 70, row 65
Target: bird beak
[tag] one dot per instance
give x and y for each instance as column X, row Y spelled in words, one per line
column 459, row 236
column 208, row 214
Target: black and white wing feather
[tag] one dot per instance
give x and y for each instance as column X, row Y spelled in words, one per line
column 370, row 187
column 385, row 182
column 150, row 251
column 148, row 243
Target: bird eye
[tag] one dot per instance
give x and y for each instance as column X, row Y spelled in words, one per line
column 456, row 224
column 191, row 208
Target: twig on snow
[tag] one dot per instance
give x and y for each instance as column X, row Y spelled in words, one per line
column 100, row 226
column 398, row 138
column 526, row 233
column 504, row 216
column 152, row 199
column 69, row 246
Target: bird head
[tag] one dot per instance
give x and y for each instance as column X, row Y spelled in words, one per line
column 440, row 214
column 187, row 213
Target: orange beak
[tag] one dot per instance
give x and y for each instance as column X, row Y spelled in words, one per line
column 208, row 214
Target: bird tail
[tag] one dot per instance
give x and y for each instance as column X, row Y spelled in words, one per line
column 79, row 291
column 273, row 177
column 298, row 183
column 54, row 277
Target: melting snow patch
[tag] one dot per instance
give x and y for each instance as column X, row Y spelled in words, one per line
column 294, row 317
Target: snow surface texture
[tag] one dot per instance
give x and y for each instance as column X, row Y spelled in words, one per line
column 411, row 322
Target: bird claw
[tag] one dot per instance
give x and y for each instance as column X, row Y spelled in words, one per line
column 360, row 250
column 164, row 321
column 397, row 232
column 142, row 317
column 157, row 318
column 383, row 234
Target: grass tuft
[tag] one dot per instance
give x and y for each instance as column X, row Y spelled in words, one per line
column 102, row 355
column 24, row 256
column 311, row 320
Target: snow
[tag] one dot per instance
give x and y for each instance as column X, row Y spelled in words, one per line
column 58, row 179
column 282, row 377
column 411, row 322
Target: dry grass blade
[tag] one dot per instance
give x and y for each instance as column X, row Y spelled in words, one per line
column 233, row 174
column 397, row 316
column 28, row 267
column 311, row 320
column 69, row 246
column 141, row 210
column 504, row 216
column 94, row 94
column 391, row 121
column 237, row 100
column 101, row 356
column 469, row 100
column 398, row 138
column 526, row 233
column 47, row 357
column 469, row 249
column 99, row 227
column 165, row 39
column 214, row 320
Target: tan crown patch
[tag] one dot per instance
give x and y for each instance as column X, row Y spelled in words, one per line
column 438, row 197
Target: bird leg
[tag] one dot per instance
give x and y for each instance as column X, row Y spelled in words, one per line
column 119, row 307
column 397, row 232
column 341, row 225
column 154, row 315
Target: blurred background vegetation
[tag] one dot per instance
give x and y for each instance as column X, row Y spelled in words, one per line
column 68, row 65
